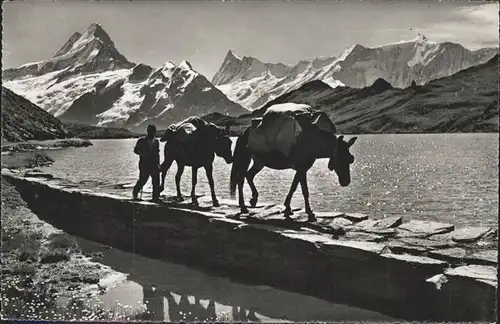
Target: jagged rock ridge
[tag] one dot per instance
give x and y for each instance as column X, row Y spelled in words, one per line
column 252, row 83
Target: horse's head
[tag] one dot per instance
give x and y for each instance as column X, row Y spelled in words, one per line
column 222, row 144
column 341, row 159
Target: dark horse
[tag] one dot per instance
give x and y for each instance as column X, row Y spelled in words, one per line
column 194, row 142
column 312, row 143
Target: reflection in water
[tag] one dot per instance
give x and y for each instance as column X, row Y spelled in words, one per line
column 186, row 311
column 153, row 300
column 173, row 293
column 181, row 309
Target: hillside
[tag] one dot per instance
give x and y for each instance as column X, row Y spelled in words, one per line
column 464, row 102
column 96, row 132
column 22, row 120
column 252, row 83
column 88, row 81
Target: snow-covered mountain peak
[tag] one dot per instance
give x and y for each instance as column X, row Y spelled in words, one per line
column 350, row 50
column 95, row 30
column 252, row 83
column 186, row 65
column 93, row 39
column 168, row 65
column 420, row 38
column 92, row 51
column 231, row 54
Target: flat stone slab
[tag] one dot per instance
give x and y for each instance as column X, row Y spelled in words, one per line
column 489, row 257
column 356, row 217
column 361, row 236
column 402, row 233
column 475, row 272
column 332, row 214
column 272, row 211
column 452, row 255
column 341, row 221
column 357, row 250
column 381, row 227
column 313, row 238
column 428, row 244
column 414, row 259
column 469, row 234
column 388, row 222
column 427, row 227
column 401, row 247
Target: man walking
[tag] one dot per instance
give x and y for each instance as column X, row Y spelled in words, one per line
column 148, row 149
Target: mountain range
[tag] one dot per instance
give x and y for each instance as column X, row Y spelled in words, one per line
column 89, row 81
column 253, row 83
column 466, row 101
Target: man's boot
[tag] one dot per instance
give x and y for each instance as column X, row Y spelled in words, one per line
column 135, row 193
column 156, row 195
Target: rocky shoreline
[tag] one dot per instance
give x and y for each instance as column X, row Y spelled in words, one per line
column 28, row 146
column 31, row 154
column 407, row 269
column 45, row 275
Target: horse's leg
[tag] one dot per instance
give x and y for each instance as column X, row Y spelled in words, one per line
column 194, row 180
column 178, row 175
column 241, row 200
column 305, row 193
column 167, row 163
column 256, row 168
column 209, row 171
column 288, row 199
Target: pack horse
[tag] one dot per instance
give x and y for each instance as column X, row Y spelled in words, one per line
column 289, row 136
column 194, row 142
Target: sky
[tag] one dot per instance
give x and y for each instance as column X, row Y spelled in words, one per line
column 202, row 32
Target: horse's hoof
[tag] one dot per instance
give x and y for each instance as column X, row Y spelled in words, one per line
column 244, row 210
column 216, row 203
column 253, row 202
column 180, row 198
column 288, row 212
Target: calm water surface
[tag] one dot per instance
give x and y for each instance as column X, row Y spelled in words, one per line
column 441, row 177
column 168, row 292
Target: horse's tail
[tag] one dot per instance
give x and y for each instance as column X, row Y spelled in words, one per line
column 241, row 161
